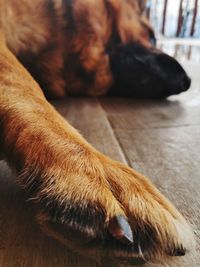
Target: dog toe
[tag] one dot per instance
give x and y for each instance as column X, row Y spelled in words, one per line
column 158, row 229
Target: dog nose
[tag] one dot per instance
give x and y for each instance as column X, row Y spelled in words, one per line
column 186, row 83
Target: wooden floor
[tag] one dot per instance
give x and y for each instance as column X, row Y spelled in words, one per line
column 158, row 138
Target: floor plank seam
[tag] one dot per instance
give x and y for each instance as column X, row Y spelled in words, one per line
column 126, row 159
column 121, row 148
column 157, row 128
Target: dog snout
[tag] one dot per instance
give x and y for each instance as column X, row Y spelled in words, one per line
column 186, row 83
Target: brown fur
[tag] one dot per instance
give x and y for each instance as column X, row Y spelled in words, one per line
column 53, row 162
column 59, row 42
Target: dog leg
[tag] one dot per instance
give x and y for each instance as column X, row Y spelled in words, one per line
column 94, row 205
column 58, row 168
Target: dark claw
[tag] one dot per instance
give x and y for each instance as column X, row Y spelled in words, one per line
column 178, row 252
column 120, row 229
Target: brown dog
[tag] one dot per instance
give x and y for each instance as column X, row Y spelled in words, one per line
column 84, row 199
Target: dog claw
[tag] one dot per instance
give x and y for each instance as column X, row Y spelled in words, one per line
column 179, row 252
column 120, row 229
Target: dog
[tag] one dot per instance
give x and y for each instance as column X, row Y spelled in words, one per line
column 89, row 202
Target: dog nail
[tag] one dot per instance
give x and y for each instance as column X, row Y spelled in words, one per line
column 178, row 252
column 120, row 229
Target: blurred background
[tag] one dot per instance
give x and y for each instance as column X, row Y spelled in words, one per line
column 177, row 27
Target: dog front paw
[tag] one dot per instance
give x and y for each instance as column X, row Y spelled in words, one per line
column 102, row 208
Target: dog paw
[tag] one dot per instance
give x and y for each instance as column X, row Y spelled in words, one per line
column 104, row 209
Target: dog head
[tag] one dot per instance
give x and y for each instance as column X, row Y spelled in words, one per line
column 104, row 46
column 138, row 68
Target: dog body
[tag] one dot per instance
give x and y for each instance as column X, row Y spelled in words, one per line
column 84, row 199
